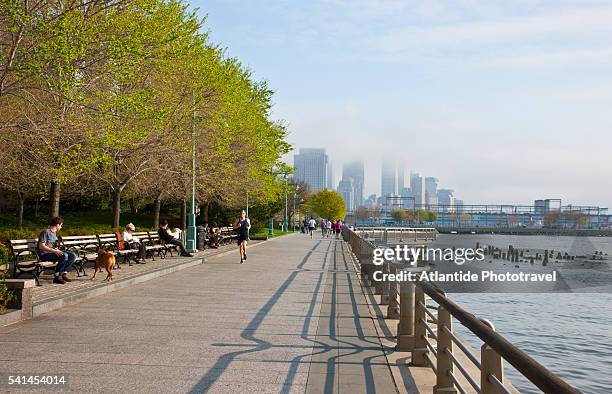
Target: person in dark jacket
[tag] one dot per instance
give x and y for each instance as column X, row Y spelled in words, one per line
column 170, row 239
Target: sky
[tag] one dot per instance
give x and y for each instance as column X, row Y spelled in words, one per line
column 502, row 101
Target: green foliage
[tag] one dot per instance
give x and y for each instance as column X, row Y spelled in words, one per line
column 398, row 214
column 423, row 215
column 413, row 215
column 108, row 98
column 6, row 295
column 4, row 253
column 328, row 204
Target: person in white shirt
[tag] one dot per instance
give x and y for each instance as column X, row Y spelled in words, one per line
column 312, row 224
column 328, row 226
column 134, row 243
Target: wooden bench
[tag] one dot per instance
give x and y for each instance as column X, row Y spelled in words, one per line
column 164, row 248
column 110, row 243
column 26, row 260
column 123, row 248
column 80, row 245
column 228, row 235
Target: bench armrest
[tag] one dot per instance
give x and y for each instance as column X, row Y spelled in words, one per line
column 29, row 252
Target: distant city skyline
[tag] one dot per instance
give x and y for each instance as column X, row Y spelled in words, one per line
column 504, row 102
column 372, row 184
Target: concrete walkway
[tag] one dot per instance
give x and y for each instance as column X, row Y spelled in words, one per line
column 292, row 319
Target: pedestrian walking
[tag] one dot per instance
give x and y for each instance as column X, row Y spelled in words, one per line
column 338, row 228
column 312, row 224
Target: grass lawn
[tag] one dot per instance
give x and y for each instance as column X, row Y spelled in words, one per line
column 277, row 233
column 89, row 219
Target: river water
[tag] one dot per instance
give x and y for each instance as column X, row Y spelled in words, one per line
column 569, row 333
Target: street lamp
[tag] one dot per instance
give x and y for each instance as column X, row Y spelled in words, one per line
column 294, row 198
column 286, row 223
column 191, row 229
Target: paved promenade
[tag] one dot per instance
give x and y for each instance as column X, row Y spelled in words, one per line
column 293, row 319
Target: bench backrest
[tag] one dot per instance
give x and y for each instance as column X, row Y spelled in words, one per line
column 107, row 239
column 23, row 247
column 154, row 237
column 80, row 241
column 142, row 236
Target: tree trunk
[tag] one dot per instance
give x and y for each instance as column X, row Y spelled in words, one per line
column 184, row 214
column 117, row 207
column 133, row 207
column 54, row 199
column 20, row 212
column 156, row 212
column 205, row 214
column 36, row 203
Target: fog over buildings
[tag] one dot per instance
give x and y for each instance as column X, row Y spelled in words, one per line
column 314, row 166
column 506, row 104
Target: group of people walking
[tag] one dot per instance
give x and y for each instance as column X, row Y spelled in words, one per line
column 328, row 227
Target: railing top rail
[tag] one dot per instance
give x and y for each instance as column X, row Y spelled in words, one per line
column 535, row 372
column 378, row 228
column 539, row 375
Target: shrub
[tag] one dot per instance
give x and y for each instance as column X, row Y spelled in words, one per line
column 4, row 253
column 6, row 295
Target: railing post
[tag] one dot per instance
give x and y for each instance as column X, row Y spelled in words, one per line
column 492, row 364
column 405, row 327
column 444, row 384
column 378, row 284
column 420, row 333
column 366, row 255
column 393, row 311
column 384, row 298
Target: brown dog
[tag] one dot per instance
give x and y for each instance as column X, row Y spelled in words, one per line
column 104, row 260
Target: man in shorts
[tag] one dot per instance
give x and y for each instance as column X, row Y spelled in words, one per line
column 242, row 226
column 312, row 224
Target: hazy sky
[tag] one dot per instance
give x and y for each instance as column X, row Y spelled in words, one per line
column 503, row 101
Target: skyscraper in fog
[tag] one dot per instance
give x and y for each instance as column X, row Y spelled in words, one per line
column 346, row 189
column 311, row 167
column 417, row 185
column 331, row 179
column 446, row 199
column 431, row 191
column 354, row 171
column 388, row 178
column 400, row 179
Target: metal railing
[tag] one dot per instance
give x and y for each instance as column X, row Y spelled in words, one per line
column 397, row 235
column 433, row 342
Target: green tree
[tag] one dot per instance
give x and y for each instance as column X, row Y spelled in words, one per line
column 328, row 204
column 398, row 215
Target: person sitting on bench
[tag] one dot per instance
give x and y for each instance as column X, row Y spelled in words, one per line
column 134, row 243
column 215, row 236
column 169, row 239
column 48, row 250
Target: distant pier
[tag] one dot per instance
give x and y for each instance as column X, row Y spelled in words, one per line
column 526, row 231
